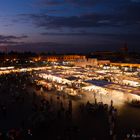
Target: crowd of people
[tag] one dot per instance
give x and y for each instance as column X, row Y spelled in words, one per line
column 25, row 114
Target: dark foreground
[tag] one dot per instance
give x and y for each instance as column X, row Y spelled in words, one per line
column 26, row 114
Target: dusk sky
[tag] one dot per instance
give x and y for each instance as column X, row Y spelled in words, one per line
column 69, row 25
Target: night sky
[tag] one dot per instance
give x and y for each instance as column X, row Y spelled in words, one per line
column 69, row 25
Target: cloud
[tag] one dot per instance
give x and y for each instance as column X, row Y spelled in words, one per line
column 125, row 13
column 11, row 39
column 52, row 2
column 52, row 46
column 132, row 12
column 74, row 2
column 137, row 1
column 102, row 35
column 85, row 21
column 68, row 34
column 68, row 48
column 46, row 21
column 129, row 37
column 86, row 3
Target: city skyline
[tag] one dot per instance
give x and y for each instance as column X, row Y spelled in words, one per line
column 69, row 25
